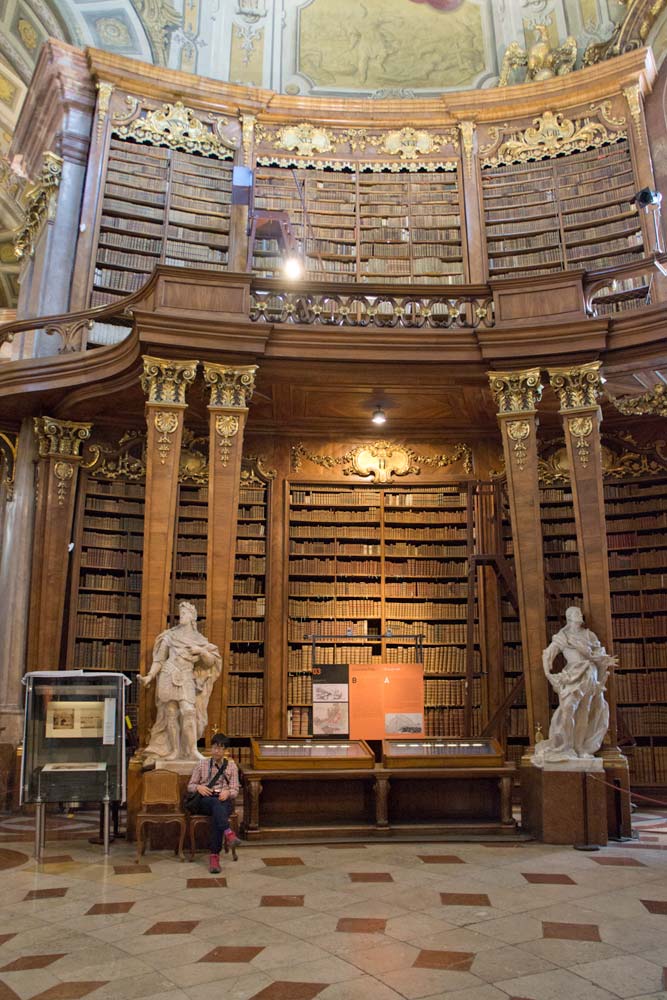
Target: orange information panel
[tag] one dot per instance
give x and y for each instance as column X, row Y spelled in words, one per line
column 386, row 699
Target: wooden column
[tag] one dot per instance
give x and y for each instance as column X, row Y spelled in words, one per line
column 578, row 389
column 517, row 393
column 164, row 381
column 59, row 442
column 240, row 209
column 231, row 390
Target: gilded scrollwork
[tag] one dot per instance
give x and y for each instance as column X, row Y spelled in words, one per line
column 40, row 199
column 552, row 134
column 60, row 438
column 622, row 458
column 64, row 472
column 104, row 92
column 248, row 123
column 653, row 403
column 166, row 425
column 578, row 386
column 231, row 387
column 8, row 453
column 467, row 132
column 605, row 110
column 176, row 126
column 581, row 429
column 165, row 381
column 516, row 391
column 519, row 431
column 126, row 460
column 633, row 97
column 380, row 460
column 302, row 138
column 226, row 428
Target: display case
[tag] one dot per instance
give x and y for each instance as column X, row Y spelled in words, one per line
column 478, row 752
column 302, row 755
column 74, row 746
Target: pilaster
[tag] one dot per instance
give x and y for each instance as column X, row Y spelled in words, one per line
column 578, row 389
column 231, row 390
column 517, row 394
column 165, row 382
column 59, row 443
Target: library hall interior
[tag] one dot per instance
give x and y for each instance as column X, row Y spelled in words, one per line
column 333, row 499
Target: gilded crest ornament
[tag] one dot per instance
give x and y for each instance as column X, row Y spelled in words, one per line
column 304, row 139
column 63, row 472
column 381, row 460
column 126, row 460
column 176, row 126
column 409, row 143
column 581, row 429
column 519, row 431
column 551, row 135
column 166, row 424
column 226, row 427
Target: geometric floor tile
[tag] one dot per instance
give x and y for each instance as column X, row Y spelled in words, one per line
column 464, row 899
column 655, row 906
column 570, row 932
column 440, row 859
column 281, row 901
column 31, row 962
column 361, row 925
column 4, row 938
column 11, row 859
column 459, row 960
column 370, row 877
column 68, row 991
column 44, row 894
column 619, row 862
column 57, row 859
column 206, row 883
column 548, row 878
column 173, row 927
column 290, row 991
column 99, row 908
column 280, row 862
column 231, row 954
column 132, row 869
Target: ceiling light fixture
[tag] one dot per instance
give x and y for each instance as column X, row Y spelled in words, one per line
column 379, row 416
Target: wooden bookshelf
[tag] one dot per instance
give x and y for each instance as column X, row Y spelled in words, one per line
column 381, row 566
column 105, row 599
column 158, row 206
column 188, row 578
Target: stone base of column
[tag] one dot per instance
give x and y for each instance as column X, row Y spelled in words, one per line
column 560, row 805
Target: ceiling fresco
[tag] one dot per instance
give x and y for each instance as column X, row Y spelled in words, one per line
column 371, row 48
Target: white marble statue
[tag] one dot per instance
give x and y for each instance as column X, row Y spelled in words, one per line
column 187, row 666
column 579, row 724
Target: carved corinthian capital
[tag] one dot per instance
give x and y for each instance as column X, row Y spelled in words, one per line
column 165, row 381
column 577, row 387
column 516, row 392
column 61, row 438
column 231, row 388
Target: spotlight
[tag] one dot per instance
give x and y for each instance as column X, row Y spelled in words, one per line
column 646, row 197
column 293, row 266
column 379, row 416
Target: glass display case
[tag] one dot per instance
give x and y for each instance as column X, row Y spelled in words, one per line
column 315, row 754
column 442, row 752
column 74, row 737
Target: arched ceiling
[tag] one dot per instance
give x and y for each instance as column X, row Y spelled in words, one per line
column 372, row 48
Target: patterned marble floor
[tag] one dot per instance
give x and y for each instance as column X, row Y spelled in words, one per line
column 340, row 922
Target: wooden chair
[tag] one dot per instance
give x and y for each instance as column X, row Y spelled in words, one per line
column 161, row 804
column 195, row 821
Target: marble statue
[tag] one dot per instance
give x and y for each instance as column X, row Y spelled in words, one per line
column 186, row 666
column 579, row 724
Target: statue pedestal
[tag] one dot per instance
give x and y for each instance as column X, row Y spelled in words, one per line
column 561, row 805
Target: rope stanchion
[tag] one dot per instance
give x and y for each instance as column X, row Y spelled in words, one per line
column 627, row 791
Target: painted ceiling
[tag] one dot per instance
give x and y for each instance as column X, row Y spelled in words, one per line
column 376, row 48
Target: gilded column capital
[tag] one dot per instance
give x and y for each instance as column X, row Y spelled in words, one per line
column 164, row 381
column 231, row 387
column 60, row 438
column 516, row 391
column 577, row 387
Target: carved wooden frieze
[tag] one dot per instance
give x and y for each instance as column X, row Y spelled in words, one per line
column 380, row 460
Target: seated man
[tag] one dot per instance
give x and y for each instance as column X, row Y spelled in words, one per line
column 217, row 800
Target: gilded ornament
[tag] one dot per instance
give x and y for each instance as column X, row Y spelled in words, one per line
column 231, row 387
column 622, row 458
column 581, row 429
column 193, row 462
column 63, row 472
column 409, row 144
column 8, row 452
column 40, row 201
column 159, row 17
column 519, row 431
column 467, row 131
column 165, row 381
column 247, row 136
column 104, row 92
column 176, row 126
column 516, row 391
column 166, row 424
column 60, row 438
column 633, row 97
column 542, row 62
column 29, row 36
column 126, row 460
column 305, row 139
column 551, row 135
column 653, row 402
column 577, row 387
column 605, row 111
column 226, row 427
column 381, row 460
column 7, row 91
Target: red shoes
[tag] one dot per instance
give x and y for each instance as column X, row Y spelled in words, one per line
column 214, row 864
column 231, row 842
